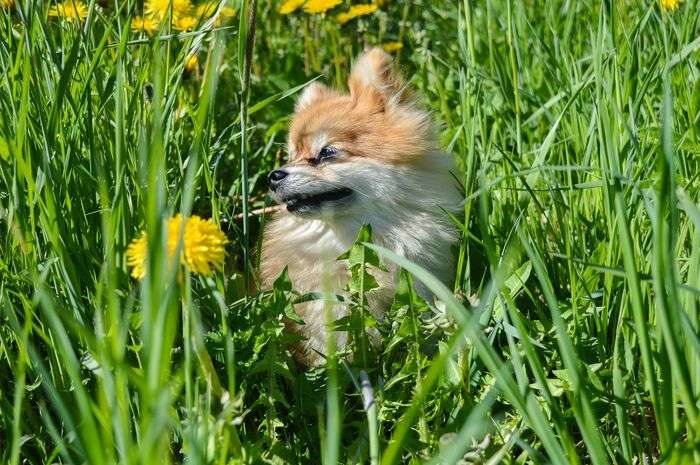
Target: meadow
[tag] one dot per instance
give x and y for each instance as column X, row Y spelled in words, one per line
column 572, row 331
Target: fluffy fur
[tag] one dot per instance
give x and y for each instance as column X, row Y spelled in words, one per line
column 385, row 169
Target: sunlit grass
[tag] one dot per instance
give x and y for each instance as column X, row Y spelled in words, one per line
column 572, row 331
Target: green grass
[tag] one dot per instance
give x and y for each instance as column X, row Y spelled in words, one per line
column 576, row 133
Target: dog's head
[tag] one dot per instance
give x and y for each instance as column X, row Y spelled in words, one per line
column 349, row 152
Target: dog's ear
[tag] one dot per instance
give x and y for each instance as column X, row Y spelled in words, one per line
column 373, row 80
column 312, row 93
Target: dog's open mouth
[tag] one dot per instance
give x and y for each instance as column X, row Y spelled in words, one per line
column 302, row 202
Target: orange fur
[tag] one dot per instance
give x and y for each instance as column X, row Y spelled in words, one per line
column 377, row 120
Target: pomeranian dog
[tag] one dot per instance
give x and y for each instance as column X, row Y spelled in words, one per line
column 370, row 157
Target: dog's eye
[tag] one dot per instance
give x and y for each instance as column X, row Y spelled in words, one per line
column 326, row 153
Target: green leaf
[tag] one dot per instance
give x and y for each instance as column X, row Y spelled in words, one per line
column 283, row 283
column 514, row 283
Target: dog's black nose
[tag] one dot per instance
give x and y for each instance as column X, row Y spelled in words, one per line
column 275, row 177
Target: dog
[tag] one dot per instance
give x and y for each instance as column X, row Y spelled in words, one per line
column 367, row 157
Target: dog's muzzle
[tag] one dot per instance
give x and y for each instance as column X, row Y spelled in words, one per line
column 307, row 197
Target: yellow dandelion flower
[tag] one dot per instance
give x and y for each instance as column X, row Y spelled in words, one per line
column 202, row 246
column 136, row 255
column 669, row 5
column 146, row 24
column 207, row 9
column 185, row 23
column 161, row 8
column 320, row 6
column 7, row 4
column 355, row 11
column 391, row 47
column 192, row 62
column 290, row 6
column 69, row 10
